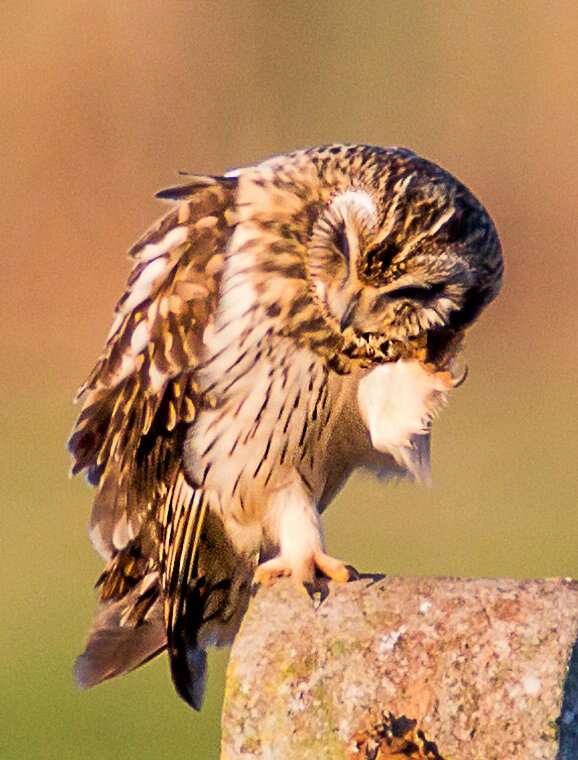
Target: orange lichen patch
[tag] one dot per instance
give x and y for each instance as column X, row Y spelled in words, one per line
column 508, row 609
column 393, row 737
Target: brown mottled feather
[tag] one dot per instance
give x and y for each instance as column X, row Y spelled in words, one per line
column 136, row 405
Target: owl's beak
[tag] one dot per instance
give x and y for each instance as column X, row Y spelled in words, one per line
column 348, row 316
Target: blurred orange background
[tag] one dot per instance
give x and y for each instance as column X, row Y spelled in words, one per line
column 101, row 104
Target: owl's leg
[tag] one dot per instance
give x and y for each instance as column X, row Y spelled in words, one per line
column 293, row 524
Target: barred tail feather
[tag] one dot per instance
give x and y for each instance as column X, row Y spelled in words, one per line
column 187, row 507
column 207, row 591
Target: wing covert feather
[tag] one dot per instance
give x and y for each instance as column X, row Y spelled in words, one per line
column 142, row 393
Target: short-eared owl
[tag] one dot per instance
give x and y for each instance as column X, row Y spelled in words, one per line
column 282, row 326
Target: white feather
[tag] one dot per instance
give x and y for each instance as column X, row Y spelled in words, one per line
column 172, row 239
column 121, row 534
column 157, row 378
column 139, row 338
column 293, row 522
column 143, row 286
column 98, row 541
column 355, row 199
column 396, row 402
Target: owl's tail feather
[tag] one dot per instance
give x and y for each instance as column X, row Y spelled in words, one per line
column 126, row 633
column 130, row 631
column 189, row 672
column 200, row 603
column 205, row 605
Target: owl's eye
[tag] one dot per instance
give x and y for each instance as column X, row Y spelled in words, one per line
column 417, row 292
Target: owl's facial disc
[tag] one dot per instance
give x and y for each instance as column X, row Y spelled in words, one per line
column 402, row 309
column 396, row 263
column 364, row 284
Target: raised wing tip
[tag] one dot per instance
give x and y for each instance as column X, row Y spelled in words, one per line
column 196, row 181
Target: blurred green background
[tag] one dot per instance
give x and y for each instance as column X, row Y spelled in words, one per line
column 101, row 103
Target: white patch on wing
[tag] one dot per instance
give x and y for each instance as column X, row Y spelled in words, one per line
column 238, row 294
column 396, row 402
column 98, row 541
column 121, row 534
column 144, row 284
column 172, row 239
column 157, row 378
column 139, row 337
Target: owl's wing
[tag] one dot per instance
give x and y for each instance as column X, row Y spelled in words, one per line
column 136, row 405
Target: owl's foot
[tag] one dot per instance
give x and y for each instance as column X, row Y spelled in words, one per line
column 280, row 566
column 266, row 573
column 332, row 568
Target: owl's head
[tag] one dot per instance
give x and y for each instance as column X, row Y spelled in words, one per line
column 358, row 245
column 402, row 250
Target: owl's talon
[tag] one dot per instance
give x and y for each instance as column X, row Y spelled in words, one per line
column 279, row 567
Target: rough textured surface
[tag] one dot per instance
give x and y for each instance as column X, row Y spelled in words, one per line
column 477, row 666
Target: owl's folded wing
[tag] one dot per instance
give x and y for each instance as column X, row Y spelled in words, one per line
column 136, row 406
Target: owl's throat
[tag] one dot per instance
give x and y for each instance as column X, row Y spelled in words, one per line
column 436, row 347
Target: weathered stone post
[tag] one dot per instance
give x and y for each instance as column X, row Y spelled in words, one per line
column 406, row 667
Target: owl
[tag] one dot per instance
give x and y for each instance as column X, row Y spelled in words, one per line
column 283, row 325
